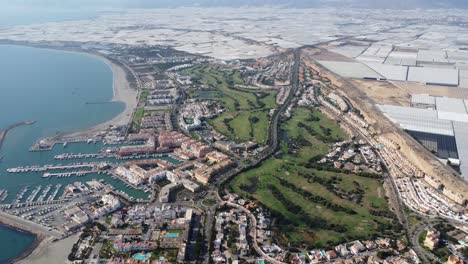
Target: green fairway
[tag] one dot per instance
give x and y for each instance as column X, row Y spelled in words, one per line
column 246, row 116
column 315, row 208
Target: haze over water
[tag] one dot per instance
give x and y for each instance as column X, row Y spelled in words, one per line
column 32, row 15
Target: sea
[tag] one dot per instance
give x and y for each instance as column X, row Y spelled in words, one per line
column 52, row 88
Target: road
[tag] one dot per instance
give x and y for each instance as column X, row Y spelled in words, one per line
column 253, row 233
column 273, row 130
column 393, row 192
column 138, row 88
column 95, row 252
column 417, row 231
column 273, row 144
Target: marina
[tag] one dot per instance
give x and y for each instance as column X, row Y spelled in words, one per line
column 67, row 174
column 67, row 156
column 4, row 132
column 3, row 195
column 53, row 196
column 50, row 167
column 44, row 193
column 57, row 69
column 21, row 195
column 33, row 195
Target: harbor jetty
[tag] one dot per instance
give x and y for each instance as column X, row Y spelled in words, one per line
column 51, row 167
column 5, row 131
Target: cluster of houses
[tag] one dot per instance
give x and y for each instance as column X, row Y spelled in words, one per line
column 200, row 162
column 358, row 252
column 354, row 156
column 145, row 228
column 192, row 114
column 229, row 245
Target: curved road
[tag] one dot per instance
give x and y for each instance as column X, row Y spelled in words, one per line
column 273, row 144
column 272, row 141
column 253, row 233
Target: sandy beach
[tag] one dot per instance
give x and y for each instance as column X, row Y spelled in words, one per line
column 48, row 252
column 122, row 93
column 44, row 251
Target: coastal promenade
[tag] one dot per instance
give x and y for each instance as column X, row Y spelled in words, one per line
column 5, row 131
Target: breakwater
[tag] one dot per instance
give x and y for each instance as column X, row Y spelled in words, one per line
column 5, row 131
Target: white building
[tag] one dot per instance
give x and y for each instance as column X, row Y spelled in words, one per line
column 110, row 204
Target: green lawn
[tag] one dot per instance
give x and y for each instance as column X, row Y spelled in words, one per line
column 246, row 116
column 144, row 94
column 137, row 118
column 315, row 208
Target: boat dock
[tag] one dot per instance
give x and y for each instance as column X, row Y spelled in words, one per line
column 51, row 167
column 44, row 193
column 55, row 193
column 33, row 194
column 20, row 195
column 67, row 156
column 67, row 174
column 47, row 144
column 3, row 195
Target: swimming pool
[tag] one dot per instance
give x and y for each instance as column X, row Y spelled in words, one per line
column 140, row 256
column 172, row 235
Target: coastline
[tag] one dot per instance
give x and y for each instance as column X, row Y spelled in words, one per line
column 38, row 239
column 50, row 252
column 43, row 250
column 122, row 92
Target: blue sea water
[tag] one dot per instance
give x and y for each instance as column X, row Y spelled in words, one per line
column 52, row 88
column 13, row 243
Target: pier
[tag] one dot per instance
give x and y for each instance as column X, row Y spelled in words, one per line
column 21, row 195
column 4, row 132
column 44, row 193
column 50, row 167
column 55, row 193
column 3, row 195
column 66, row 156
column 33, row 194
column 67, row 174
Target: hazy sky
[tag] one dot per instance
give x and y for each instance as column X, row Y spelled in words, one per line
column 109, row 4
column 15, row 12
